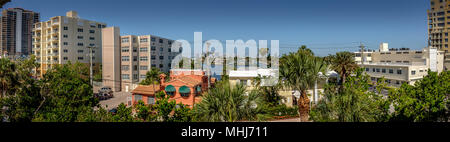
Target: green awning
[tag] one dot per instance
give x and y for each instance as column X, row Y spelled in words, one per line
column 199, row 89
column 184, row 90
column 170, row 88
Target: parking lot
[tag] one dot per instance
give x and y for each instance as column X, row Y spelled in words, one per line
column 119, row 97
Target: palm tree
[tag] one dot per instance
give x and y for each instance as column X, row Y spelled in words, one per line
column 152, row 76
column 227, row 103
column 343, row 63
column 318, row 65
column 299, row 71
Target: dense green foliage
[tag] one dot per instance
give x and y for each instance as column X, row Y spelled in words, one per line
column 228, row 103
column 426, row 101
column 355, row 103
column 300, row 71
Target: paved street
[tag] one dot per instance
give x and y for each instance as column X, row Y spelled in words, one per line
column 119, row 97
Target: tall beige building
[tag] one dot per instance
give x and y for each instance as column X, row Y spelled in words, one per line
column 66, row 38
column 439, row 27
column 402, row 65
column 138, row 54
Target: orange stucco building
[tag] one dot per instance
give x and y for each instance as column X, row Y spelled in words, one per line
column 184, row 86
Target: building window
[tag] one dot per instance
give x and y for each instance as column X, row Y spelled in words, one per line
column 80, row 30
column 143, row 68
column 80, row 51
column 65, row 43
column 413, row 72
column 125, row 58
column 161, row 41
column 91, row 31
column 66, row 28
column 367, row 69
column 137, row 97
column 373, row 69
column 378, row 70
column 153, row 65
column 125, row 67
column 143, row 76
column 80, row 44
column 135, row 58
column 399, row 71
column 65, row 50
column 161, row 66
column 144, row 40
column 153, row 57
column 125, row 76
column 91, row 38
column 143, row 49
column 143, row 58
column 134, row 49
column 391, row 71
column 80, row 37
column 243, row 82
column 65, row 36
column 65, row 58
column 126, row 49
column 80, row 58
column 125, row 40
column 135, row 76
column 383, row 70
column 153, row 48
column 153, row 39
column 150, row 100
column 161, row 57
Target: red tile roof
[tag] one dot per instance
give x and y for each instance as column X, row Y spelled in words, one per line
column 145, row 90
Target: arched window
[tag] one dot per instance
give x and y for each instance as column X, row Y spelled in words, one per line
column 170, row 90
column 184, row 91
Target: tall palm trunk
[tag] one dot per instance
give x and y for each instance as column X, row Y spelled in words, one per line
column 303, row 106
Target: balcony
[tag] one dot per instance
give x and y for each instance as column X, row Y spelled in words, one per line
column 54, row 39
column 53, row 47
column 55, row 32
column 37, row 28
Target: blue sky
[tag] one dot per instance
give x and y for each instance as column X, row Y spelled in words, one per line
column 326, row 26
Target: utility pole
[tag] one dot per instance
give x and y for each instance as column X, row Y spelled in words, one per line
column 361, row 46
column 90, row 64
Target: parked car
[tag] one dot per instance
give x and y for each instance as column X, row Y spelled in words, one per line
column 113, row 111
column 105, row 89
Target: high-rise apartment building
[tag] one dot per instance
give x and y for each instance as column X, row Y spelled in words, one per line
column 16, row 31
column 439, row 27
column 65, row 39
column 138, row 54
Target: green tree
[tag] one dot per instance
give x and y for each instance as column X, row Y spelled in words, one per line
column 23, row 95
column 152, row 77
column 163, row 106
column 8, row 77
column 124, row 114
column 426, row 101
column 3, row 2
column 66, row 92
column 228, row 103
column 299, row 71
column 343, row 63
column 355, row 103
